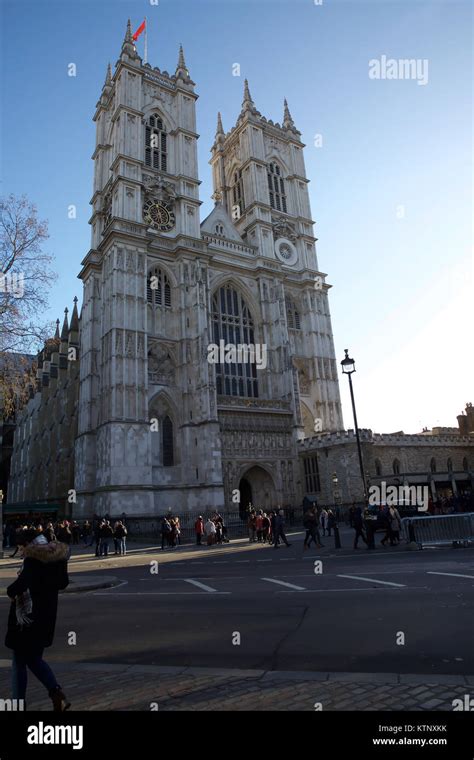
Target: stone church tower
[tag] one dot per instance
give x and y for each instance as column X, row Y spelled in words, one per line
column 159, row 426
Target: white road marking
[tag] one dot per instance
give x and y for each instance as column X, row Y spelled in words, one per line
column 330, row 590
column 264, row 560
column 372, row 580
column 163, row 593
column 454, row 575
column 284, row 583
column 200, row 585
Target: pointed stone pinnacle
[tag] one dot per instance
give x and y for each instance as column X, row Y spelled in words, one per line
column 74, row 317
column 219, row 130
column 288, row 122
column 247, row 103
column 181, row 68
column 65, row 330
column 247, row 95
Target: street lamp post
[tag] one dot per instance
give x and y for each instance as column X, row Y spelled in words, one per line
column 348, row 367
column 1, row 524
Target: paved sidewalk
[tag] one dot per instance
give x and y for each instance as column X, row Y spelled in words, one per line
column 140, row 548
column 106, row 687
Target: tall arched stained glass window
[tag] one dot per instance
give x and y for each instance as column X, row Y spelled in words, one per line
column 232, row 323
column 167, row 442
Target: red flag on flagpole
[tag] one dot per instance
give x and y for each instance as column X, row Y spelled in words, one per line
column 140, row 29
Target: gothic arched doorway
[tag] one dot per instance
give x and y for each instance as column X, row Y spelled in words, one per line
column 257, row 487
column 245, row 490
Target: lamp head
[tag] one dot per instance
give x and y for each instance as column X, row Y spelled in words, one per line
column 348, row 364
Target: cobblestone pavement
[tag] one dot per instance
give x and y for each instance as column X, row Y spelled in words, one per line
column 135, row 687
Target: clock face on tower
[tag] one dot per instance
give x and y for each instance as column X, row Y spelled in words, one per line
column 159, row 215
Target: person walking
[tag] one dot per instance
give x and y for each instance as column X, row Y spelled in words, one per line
column 386, row 524
column 217, row 520
column 49, row 534
column 105, row 533
column 358, row 524
column 76, row 532
column 97, row 527
column 87, row 533
column 120, row 536
column 307, row 525
column 323, row 520
column 33, row 611
column 252, row 526
column 279, row 532
column 63, row 533
column 310, row 522
column 199, row 530
column 173, row 536
column 165, row 532
column 266, row 528
column 331, row 521
column 210, row 530
column 259, row 526
column 177, row 523
column 225, row 537
column 395, row 525
column 18, row 537
column 352, row 510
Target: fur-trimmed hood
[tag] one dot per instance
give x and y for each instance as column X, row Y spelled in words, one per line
column 47, row 553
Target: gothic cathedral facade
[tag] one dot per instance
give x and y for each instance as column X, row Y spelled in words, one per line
column 160, row 426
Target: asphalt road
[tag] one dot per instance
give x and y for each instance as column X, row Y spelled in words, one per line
column 346, row 618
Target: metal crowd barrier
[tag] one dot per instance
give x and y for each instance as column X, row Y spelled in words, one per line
column 439, row 530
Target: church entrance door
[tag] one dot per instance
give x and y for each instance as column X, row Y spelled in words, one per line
column 245, row 497
column 257, row 488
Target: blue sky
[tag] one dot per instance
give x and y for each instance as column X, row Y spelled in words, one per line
column 390, row 186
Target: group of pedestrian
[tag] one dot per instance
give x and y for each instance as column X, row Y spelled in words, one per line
column 388, row 520
column 170, row 532
column 213, row 530
column 267, row 528
column 327, row 520
column 66, row 531
column 70, row 532
column 51, row 532
column 104, row 533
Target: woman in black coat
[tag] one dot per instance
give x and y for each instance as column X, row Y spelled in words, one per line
column 32, row 617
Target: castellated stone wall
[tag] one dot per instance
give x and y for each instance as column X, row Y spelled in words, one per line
column 441, row 461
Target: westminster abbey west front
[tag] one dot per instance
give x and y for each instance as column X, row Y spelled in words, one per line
column 160, row 426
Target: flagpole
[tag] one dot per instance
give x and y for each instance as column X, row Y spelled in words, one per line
column 146, row 41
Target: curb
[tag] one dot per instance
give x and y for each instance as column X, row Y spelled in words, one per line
column 81, row 584
column 85, row 584
column 266, row 676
